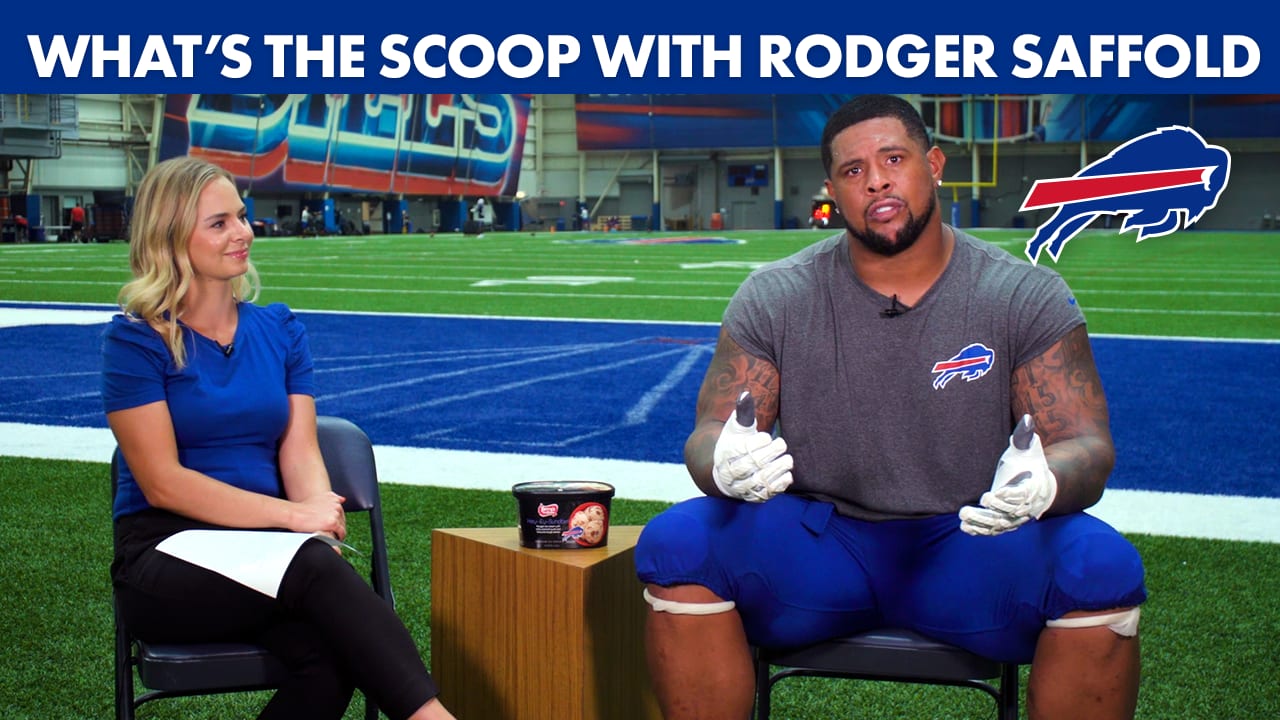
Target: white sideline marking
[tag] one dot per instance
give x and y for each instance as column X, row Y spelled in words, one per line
column 19, row 317
column 469, row 469
column 1211, row 517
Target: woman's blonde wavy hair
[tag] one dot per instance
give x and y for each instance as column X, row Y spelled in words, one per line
column 164, row 216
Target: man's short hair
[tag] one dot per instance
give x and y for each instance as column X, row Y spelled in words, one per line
column 869, row 107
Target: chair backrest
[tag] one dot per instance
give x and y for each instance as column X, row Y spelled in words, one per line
column 348, row 456
column 231, row 667
column 353, row 474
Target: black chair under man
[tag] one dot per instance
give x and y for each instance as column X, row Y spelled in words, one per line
column 888, row 655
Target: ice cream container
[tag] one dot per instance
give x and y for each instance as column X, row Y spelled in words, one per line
column 563, row 514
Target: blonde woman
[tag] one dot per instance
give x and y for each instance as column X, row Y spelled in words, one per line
column 211, row 400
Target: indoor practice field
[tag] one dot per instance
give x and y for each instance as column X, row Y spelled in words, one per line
column 475, row 362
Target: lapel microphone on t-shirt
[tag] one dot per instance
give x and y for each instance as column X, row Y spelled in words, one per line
column 226, row 349
column 895, row 308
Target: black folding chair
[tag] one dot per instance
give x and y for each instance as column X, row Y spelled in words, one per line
column 173, row 670
column 888, row 655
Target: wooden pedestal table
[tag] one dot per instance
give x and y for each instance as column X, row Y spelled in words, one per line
column 525, row 634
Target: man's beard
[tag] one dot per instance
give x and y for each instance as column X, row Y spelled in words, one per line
column 907, row 236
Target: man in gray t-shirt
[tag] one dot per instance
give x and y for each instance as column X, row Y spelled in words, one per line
column 902, row 426
column 872, row 426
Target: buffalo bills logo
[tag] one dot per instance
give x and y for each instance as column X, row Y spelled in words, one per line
column 970, row 363
column 1161, row 181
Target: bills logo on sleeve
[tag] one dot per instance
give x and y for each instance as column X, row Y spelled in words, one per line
column 1161, row 182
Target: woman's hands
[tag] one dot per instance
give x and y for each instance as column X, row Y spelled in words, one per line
column 321, row 512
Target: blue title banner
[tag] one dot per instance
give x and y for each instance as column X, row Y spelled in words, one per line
column 397, row 47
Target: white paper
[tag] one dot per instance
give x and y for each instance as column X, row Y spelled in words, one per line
column 254, row 558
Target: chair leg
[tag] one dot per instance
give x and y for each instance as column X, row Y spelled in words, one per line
column 764, row 689
column 124, row 693
column 1009, row 690
column 124, row 675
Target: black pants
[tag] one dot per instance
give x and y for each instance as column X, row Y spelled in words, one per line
column 326, row 624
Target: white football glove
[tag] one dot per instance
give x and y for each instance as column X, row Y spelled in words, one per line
column 748, row 464
column 1023, row 487
column 985, row 521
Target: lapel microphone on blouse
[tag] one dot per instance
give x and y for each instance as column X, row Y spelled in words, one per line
column 895, row 308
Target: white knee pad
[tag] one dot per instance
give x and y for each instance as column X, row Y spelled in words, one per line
column 683, row 608
column 1124, row 622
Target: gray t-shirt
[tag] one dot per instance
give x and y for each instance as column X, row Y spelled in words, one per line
column 906, row 416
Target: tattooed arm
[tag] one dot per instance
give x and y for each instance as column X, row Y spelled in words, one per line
column 1063, row 393
column 732, row 370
